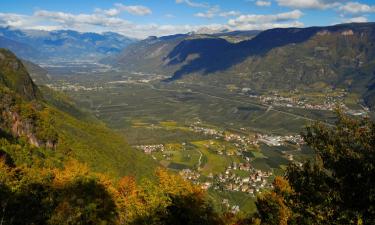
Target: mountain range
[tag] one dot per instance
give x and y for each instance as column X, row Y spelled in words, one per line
column 60, row 45
column 312, row 58
column 339, row 56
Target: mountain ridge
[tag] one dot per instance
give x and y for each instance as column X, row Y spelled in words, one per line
column 338, row 56
column 38, row 45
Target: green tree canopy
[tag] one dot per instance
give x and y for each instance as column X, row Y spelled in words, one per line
column 337, row 187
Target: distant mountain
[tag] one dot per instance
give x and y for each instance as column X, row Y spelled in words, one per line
column 148, row 55
column 36, row 45
column 151, row 54
column 340, row 56
column 22, row 49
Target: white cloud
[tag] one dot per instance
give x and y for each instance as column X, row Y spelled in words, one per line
column 262, row 22
column 259, row 19
column 193, row 4
column 102, row 20
column 357, row 8
column 309, row 4
column 230, row 13
column 215, row 11
column 359, row 19
column 138, row 10
column 263, row 3
column 265, row 26
column 210, row 13
column 14, row 20
column 76, row 20
column 169, row 15
column 51, row 20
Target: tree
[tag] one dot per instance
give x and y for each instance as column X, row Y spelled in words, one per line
column 272, row 206
column 338, row 186
column 171, row 200
column 73, row 195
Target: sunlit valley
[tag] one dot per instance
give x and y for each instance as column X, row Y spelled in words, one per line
column 261, row 120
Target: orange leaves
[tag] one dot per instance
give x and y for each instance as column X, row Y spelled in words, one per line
column 272, row 206
column 282, row 186
column 72, row 170
column 176, row 185
column 127, row 186
column 272, row 209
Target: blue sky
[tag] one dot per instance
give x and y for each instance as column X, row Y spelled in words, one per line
column 163, row 17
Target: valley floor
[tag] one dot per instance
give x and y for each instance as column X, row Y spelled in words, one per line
column 228, row 141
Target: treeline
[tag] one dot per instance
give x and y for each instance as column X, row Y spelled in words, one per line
column 337, row 187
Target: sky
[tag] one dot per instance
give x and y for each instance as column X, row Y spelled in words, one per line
column 144, row 18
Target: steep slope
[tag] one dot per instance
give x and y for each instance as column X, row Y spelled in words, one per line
column 15, row 76
column 61, row 44
column 156, row 54
column 148, row 55
column 38, row 74
column 340, row 37
column 51, row 121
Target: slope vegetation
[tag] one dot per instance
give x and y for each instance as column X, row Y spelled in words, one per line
column 47, row 119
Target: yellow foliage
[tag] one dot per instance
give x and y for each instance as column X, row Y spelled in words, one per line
column 282, row 186
column 176, row 185
column 268, row 201
column 72, row 170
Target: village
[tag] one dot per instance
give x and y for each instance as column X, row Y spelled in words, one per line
column 73, row 87
column 245, row 140
column 238, row 176
column 330, row 103
column 251, row 183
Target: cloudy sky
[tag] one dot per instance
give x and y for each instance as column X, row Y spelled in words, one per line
column 163, row 17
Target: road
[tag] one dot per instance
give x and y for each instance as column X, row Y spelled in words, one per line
column 200, row 159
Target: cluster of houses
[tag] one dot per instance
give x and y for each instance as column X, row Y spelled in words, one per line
column 233, row 209
column 254, row 182
column 206, row 131
column 148, row 149
column 73, row 87
column 245, row 140
column 248, row 179
column 271, row 140
column 189, row 174
column 329, row 104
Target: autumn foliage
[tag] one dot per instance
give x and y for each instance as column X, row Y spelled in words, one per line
column 337, row 187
